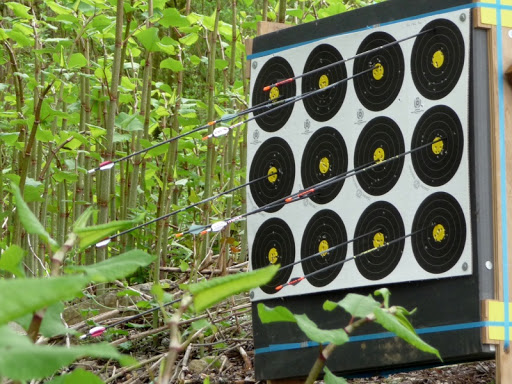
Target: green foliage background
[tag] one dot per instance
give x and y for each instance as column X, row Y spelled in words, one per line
column 182, row 63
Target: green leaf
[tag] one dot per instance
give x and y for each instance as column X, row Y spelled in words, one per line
column 173, row 65
column 149, row 39
column 78, row 376
column 52, row 323
column 59, row 9
column 392, row 324
column 22, row 360
column 298, row 13
column 30, row 221
column 22, row 296
column 11, row 260
column 330, row 378
column 310, row 329
column 82, row 220
column 189, row 39
column 77, row 60
column 385, row 293
column 221, row 64
column 20, row 10
column 358, row 305
column 272, row 315
column 92, row 235
column 171, row 17
column 210, row 292
column 116, row 267
column 184, row 266
column 321, row 336
column 20, row 38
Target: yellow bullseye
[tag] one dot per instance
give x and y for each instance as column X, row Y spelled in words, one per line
column 324, row 165
column 273, row 256
column 378, row 71
column 438, row 59
column 439, row 233
column 274, row 93
column 379, row 155
column 323, row 81
column 322, row 247
column 437, row 146
column 378, row 240
column 272, row 172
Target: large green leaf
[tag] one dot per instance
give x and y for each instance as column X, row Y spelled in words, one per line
column 78, row 376
column 77, row 60
column 116, row 267
column 149, row 39
column 22, row 360
column 22, row 296
column 91, row 235
column 19, row 10
column 11, row 259
column 395, row 325
column 357, row 305
column 189, row 39
column 171, row 17
column 306, row 325
column 29, row 220
column 173, row 65
column 210, row 292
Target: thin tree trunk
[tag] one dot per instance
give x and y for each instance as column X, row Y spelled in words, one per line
column 104, row 178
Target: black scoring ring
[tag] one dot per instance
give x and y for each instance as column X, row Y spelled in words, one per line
column 273, row 71
column 436, row 164
column 379, row 224
column 437, row 59
column 378, row 89
column 324, row 105
column 379, row 141
column 442, row 233
column 325, row 156
column 273, row 244
column 324, row 230
column 273, row 155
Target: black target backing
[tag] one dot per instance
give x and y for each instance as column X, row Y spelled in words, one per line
column 378, row 89
column 324, row 157
column 324, row 105
column 324, row 230
column 273, row 244
column 436, row 164
column 273, row 71
column 442, row 237
column 437, row 59
column 275, row 158
column 380, row 140
column 383, row 223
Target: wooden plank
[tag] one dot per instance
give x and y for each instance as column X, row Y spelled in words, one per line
column 477, row 18
column 503, row 357
column 265, row 27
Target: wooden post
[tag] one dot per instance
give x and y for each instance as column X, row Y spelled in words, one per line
column 503, row 357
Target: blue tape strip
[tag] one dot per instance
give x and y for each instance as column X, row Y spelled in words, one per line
column 503, row 169
column 460, row 7
column 383, row 335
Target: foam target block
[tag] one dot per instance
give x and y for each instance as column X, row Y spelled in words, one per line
column 390, row 130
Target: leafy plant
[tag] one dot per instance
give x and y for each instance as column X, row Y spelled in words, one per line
column 363, row 309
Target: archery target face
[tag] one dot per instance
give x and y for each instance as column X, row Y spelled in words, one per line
column 413, row 99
